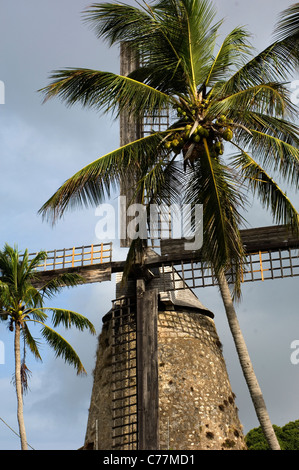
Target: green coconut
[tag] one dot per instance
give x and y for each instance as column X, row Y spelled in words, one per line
column 196, row 138
column 200, row 131
column 175, row 143
column 228, row 134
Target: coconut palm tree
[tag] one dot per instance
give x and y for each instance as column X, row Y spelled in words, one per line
column 232, row 129
column 22, row 297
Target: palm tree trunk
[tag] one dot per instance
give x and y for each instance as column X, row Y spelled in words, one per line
column 19, row 388
column 246, row 365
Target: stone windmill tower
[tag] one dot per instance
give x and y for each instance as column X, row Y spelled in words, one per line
column 160, row 380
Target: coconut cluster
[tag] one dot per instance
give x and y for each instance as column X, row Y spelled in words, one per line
column 215, row 132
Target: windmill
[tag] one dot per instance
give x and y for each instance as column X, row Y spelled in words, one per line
column 272, row 253
column 164, row 284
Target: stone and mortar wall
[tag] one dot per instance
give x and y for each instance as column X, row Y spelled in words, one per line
column 197, row 406
column 99, row 425
column 197, row 409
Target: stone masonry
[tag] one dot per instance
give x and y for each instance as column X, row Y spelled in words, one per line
column 197, row 405
column 197, row 408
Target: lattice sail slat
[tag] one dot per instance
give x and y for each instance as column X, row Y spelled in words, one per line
column 75, row 257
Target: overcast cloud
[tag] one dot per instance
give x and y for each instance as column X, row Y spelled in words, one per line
column 43, row 144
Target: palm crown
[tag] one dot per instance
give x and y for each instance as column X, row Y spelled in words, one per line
column 221, row 98
column 22, row 299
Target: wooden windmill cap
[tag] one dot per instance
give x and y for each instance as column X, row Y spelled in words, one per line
column 172, row 289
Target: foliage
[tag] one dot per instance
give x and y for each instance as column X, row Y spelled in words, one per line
column 22, row 299
column 232, row 117
column 288, row 437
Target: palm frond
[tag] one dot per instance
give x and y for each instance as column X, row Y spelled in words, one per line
column 163, row 182
column 197, row 35
column 31, row 265
column 278, row 61
column 214, row 186
column 31, row 342
column 5, row 294
column 265, row 67
column 35, row 314
column 266, row 98
column 54, row 285
column 277, row 155
column 270, row 194
column 283, row 129
column 173, row 39
column 231, row 55
column 68, row 318
column 273, row 141
column 9, row 260
column 188, row 27
column 286, row 32
column 91, row 184
column 62, row 348
column 119, row 22
column 31, row 296
column 105, row 91
column 288, row 23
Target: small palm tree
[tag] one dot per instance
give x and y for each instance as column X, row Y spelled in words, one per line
column 232, row 128
column 22, row 297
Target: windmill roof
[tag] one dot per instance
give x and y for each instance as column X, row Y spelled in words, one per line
column 172, row 289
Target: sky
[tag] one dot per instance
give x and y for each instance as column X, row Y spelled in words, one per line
column 41, row 145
